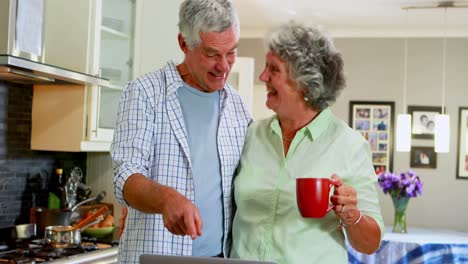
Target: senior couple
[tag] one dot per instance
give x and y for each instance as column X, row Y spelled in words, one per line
column 199, row 178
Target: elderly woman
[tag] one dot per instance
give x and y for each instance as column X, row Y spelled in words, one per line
column 303, row 76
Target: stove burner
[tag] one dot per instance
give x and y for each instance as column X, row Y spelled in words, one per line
column 37, row 251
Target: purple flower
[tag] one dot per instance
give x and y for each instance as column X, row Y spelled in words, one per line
column 403, row 184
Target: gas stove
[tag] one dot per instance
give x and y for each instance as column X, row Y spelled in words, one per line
column 37, row 251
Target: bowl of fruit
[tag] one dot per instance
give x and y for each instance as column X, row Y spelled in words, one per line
column 102, row 229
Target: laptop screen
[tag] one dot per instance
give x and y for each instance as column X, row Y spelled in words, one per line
column 156, row 259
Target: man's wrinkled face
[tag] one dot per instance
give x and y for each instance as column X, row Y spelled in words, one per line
column 210, row 62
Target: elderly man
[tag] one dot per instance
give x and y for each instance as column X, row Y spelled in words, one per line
column 178, row 141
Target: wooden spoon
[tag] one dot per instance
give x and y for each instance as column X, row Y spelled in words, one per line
column 90, row 218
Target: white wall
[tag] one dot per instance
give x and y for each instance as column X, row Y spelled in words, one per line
column 99, row 177
column 374, row 71
column 157, row 34
column 260, row 111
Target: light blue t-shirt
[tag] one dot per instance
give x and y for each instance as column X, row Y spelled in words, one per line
column 201, row 116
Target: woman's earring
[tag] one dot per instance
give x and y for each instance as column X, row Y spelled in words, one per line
column 306, row 99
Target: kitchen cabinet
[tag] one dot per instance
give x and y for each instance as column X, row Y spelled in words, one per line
column 113, row 60
column 60, row 118
column 99, row 36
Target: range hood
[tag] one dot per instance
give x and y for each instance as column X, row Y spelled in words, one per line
column 24, row 71
column 22, row 47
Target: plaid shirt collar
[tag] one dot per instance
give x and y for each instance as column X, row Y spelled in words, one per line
column 174, row 80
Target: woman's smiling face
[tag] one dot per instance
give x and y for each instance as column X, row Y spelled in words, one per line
column 283, row 94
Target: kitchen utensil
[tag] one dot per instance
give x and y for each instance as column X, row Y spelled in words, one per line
column 76, row 215
column 25, row 231
column 10, row 235
column 83, row 192
column 91, row 218
column 98, row 198
column 50, row 217
column 13, row 233
column 62, row 236
column 65, row 236
column 59, row 217
column 70, row 236
column 72, row 185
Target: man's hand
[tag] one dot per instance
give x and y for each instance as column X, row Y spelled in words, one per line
column 181, row 216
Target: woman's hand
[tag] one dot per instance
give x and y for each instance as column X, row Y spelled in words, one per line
column 363, row 232
column 345, row 200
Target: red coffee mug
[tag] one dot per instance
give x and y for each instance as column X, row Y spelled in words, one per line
column 313, row 196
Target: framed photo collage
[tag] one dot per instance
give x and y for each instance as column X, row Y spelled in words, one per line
column 375, row 121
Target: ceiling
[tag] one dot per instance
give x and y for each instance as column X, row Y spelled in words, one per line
column 355, row 18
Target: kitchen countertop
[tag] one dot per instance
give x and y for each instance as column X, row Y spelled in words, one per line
column 105, row 256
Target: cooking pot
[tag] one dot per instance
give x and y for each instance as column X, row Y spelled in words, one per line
column 51, row 217
column 70, row 236
column 59, row 217
column 10, row 235
column 62, row 236
column 25, row 231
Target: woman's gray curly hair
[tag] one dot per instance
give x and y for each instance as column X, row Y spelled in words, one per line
column 312, row 60
column 197, row 16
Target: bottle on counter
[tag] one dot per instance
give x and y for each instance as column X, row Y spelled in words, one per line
column 56, row 190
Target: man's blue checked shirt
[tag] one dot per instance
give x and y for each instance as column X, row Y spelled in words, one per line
column 150, row 138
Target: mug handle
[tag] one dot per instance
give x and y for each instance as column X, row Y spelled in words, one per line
column 332, row 184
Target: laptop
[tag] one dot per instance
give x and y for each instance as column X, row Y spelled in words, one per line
column 162, row 259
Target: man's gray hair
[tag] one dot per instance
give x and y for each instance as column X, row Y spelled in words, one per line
column 312, row 60
column 197, row 16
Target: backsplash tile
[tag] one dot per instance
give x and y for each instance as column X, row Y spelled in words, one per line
column 24, row 173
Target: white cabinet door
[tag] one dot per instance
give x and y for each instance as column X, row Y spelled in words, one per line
column 67, row 34
column 113, row 60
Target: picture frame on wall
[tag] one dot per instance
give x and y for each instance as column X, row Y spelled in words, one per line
column 375, row 121
column 423, row 120
column 462, row 156
column 423, row 157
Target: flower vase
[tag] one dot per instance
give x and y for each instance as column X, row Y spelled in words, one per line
column 400, row 204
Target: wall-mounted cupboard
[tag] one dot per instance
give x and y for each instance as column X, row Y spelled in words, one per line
column 100, row 36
